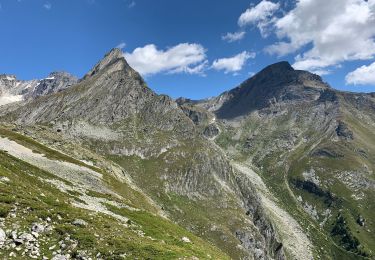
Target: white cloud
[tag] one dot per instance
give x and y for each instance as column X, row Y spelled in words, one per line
column 184, row 57
column 364, row 75
column 233, row 64
column 197, row 69
column 121, row 45
column 232, row 37
column 259, row 15
column 47, row 5
column 337, row 30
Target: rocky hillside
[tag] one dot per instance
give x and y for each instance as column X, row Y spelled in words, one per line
column 313, row 147
column 145, row 141
column 281, row 167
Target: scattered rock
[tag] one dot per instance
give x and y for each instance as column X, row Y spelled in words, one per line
column 79, row 222
column 185, row 240
column 4, row 179
column 2, row 236
column 59, row 257
column 37, row 228
column 361, row 221
column 26, row 237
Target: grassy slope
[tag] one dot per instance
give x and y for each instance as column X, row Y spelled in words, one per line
column 114, row 239
column 214, row 219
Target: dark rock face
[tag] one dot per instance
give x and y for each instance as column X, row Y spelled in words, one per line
column 343, row 131
column 196, row 115
column 327, row 196
column 325, row 152
column 211, row 131
column 328, row 95
column 55, row 82
column 276, row 83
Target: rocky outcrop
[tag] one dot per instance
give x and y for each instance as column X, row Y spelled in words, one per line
column 343, row 131
column 211, row 131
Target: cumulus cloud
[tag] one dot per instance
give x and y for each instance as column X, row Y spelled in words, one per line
column 182, row 58
column 233, row 64
column 259, row 15
column 232, row 37
column 336, row 30
column 47, row 5
column 364, row 75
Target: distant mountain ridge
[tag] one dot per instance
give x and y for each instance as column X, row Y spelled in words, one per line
column 12, row 89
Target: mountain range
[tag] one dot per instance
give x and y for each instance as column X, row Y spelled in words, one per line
column 280, row 167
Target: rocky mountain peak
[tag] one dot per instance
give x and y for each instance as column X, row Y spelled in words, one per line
column 7, row 77
column 279, row 67
column 61, row 74
column 114, row 59
column 283, row 73
column 278, row 82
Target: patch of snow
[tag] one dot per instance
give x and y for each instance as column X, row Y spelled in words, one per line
column 7, row 98
column 50, row 78
column 29, row 86
column 10, row 78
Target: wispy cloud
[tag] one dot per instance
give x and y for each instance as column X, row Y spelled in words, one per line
column 131, row 4
column 121, row 45
column 47, row 5
column 232, row 37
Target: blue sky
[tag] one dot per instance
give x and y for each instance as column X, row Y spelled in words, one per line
column 181, row 50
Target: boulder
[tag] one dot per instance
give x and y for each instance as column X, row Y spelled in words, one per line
column 79, row 222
